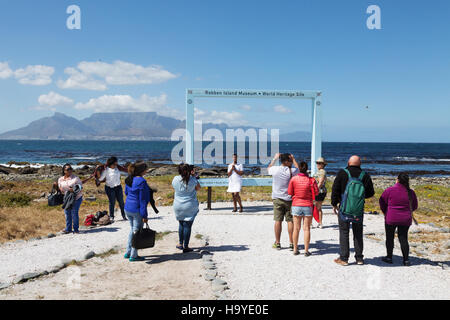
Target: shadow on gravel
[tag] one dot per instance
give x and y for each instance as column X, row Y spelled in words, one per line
column 250, row 209
column 153, row 259
column 100, row 229
column 194, row 255
column 398, row 262
column 320, row 247
column 226, row 248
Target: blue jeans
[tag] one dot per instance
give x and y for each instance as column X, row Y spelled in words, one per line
column 184, row 232
column 72, row 216
column 135, row 223
column 114, row 194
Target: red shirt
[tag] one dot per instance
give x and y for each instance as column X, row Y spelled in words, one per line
column 300, row 190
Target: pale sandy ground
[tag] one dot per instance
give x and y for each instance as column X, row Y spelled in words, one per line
column 166, row 274
column 241, row 247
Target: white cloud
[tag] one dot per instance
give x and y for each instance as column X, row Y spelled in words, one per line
column 233, row 118
column 126, row 103
column 97, row 75
column 5, row 71
column 281, row 109
column 37, row 75
column 54, row 99
column 246, row 107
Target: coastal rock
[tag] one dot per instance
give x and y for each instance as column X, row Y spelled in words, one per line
column 444, row 230
column 51, row 235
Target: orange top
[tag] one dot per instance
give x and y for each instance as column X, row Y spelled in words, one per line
column 300, row 190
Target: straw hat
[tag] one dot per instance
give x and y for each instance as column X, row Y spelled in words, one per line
column 321, row 160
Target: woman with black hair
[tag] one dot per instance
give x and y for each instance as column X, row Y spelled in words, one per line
column 398, row 204
column 185, row 204
column 113, row 186
column 71, row 186
column 138, row 197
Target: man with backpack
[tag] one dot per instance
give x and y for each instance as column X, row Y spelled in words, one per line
column 350, row 189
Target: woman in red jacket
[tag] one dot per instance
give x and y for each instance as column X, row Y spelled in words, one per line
column 301, row 189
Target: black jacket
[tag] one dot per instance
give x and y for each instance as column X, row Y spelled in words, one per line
column 341, row 182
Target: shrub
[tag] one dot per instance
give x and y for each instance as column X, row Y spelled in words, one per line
column 14, row 200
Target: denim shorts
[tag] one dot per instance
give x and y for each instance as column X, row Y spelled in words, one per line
column 301, row 211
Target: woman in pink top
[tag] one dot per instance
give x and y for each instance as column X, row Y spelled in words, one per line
column 300, row 188
column 68, row 183
column 398, row 204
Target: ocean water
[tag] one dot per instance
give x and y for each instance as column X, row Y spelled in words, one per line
column 430, row 159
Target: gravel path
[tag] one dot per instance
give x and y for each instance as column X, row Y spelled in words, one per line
column 241, row 245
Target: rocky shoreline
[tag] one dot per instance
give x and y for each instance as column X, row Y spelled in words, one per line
column 30, row 172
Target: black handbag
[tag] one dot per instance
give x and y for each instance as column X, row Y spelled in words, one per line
column 143, row 238
column 56, row 198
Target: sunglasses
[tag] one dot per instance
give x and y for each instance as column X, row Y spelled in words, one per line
column 69, row 169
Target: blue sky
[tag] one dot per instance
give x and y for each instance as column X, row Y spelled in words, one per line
column 142, row 55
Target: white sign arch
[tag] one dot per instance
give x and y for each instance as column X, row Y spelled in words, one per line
column 314, row 96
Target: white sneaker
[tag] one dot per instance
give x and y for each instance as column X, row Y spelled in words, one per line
column 320, row 226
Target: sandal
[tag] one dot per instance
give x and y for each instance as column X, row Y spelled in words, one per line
column 276, row 246
column 180, row 247
column 296, row 253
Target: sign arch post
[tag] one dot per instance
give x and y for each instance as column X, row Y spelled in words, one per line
column 314, row 96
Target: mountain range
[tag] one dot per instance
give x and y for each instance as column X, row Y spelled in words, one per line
column 116, row 126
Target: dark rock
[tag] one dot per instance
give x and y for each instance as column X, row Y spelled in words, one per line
column 56, row 268
column 27, row 276
column 89, row 255
column 51, row 235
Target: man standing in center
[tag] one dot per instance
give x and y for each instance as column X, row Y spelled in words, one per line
column 353, row 174
column 282, row 201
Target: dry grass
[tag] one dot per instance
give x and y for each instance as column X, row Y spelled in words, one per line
column 37, row 219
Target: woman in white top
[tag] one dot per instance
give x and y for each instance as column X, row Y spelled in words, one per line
column 113, row 186
column 235, row 172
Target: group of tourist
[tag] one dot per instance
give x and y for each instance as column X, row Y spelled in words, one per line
column 296, row 198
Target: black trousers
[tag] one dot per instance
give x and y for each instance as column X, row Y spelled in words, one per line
column 115, row 194
column 402, row 237
column 344, row 242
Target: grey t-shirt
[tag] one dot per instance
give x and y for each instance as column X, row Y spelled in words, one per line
column 281, row 177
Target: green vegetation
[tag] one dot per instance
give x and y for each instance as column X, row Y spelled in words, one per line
column 11, row 200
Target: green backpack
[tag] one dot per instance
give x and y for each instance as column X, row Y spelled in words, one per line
column 353, row 199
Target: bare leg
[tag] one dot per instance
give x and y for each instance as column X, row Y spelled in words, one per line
column 319, row 208
column 290, row 230
column 295, row 233
column 278, row 227
column 306, row 231
column 238, row 197
column 234, row 202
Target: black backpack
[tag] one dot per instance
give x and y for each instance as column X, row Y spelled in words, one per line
column 99, row 214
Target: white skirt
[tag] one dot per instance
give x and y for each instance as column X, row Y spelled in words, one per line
column 234, row 186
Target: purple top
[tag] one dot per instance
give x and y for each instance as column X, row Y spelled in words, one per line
column 394, row 202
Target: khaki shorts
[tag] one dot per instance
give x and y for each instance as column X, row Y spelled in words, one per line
column 282, row 210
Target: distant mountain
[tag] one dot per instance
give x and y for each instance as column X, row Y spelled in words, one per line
column 132, row 125
column 57, row 127
column 296, row 136
column 116, row 126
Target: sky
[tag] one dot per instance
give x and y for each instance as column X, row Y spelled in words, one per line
column 381, row 85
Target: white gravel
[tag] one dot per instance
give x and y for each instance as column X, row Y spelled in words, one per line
column 241, row 245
